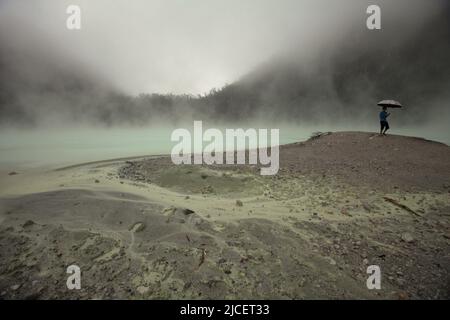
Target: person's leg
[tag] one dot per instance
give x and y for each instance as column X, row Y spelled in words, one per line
column 381, row 127
column 386, row 127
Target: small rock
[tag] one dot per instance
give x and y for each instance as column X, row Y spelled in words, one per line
column 239, row 203
column 188, row 211
column 28, row 223
column 15, row 287
column 97, row 181
column 12, row 173
column 142, row 289
column 407, row 237
column 402, row 296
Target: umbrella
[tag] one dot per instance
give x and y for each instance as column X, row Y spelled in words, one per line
column 390, row 104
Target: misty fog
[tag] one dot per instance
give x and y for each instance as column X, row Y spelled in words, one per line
column 137, row 70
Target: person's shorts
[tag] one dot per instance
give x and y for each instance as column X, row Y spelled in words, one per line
column 384, row 124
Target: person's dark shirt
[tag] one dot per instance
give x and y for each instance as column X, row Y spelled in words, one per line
column 383, row 115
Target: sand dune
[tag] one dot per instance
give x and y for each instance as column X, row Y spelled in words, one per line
column 146, row 229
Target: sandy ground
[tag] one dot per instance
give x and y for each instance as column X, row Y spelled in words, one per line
column 146, row 229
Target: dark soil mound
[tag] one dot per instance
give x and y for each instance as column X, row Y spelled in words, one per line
column 370, row 159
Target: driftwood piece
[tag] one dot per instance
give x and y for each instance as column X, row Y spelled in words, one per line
column 202, row 258
column 398, row 204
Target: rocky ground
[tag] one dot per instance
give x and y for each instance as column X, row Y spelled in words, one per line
column 146, row 229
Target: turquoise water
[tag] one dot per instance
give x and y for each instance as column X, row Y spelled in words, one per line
column 59, row 147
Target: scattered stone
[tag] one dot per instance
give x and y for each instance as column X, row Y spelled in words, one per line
column 12, row 173
column 15, row 287
column 402, row 296
column 97, row 181
column 142, row 289
column 407, row 237
column 187, row 197
column 170, row 209
column 28, row 223
column 188, row 211
column 239, row 203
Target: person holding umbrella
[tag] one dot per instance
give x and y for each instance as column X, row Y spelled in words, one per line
column 384, row 125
